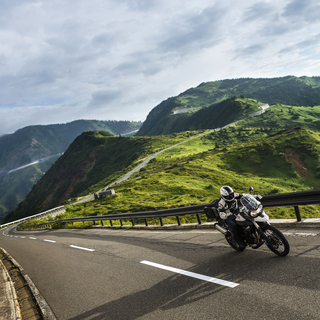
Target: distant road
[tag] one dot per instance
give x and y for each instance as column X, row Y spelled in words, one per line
column 33, row 163
column 144, row 163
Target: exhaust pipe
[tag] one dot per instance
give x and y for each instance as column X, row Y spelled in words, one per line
column 220, row 228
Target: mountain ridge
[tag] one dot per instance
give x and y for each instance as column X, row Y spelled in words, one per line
column 24, row 148
column 289, row 90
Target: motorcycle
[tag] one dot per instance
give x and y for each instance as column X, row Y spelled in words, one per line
column 253, row 225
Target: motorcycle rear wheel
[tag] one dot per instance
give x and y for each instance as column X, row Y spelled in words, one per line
column 278, row 244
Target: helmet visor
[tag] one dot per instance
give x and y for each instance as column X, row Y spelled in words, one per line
column 229, row 197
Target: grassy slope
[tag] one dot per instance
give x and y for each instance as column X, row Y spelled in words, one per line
column 181, row 177
column 214, row 116
column 92, row 161
column 194, row 172
column 287, row 90
column 282, row 116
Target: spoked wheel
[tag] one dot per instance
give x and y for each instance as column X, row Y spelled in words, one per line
column 278, row 243
column 234, row 244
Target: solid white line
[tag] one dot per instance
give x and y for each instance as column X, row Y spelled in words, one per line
column 49, row 240
column 192, row 274
column 81, row 248
column 32, row 238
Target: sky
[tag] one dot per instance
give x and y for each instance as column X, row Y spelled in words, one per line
column 63, row 60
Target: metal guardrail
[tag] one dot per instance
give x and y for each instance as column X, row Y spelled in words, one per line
column 294, row 199
column 38, row 215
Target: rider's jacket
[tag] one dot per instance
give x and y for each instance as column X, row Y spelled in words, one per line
column 227, row 209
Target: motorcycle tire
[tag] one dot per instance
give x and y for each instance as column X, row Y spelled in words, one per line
column 278, row 244
column 233, row 244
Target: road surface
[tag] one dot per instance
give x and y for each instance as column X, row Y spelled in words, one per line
column 104, row 273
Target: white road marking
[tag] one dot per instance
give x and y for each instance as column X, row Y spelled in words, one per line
column 49, row 240
column 22, row 237
column 81, row 248
column 168, row 232
column 32, row 238
column 300, row 234
column 192, row 274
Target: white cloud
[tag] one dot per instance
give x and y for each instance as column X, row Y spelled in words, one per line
column 117, row 59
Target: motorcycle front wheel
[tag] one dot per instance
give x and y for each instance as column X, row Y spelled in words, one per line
column 278, row 243
column 234, row 244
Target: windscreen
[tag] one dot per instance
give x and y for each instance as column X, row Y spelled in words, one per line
column 249, row 202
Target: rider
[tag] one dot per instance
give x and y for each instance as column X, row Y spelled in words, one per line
column 228, row 207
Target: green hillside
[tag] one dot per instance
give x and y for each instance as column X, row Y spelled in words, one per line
column 36, row 142
column 193, row 172
column 251, row 152
column 303, row 91
column 217, row 115
column 94, row 158
column 281, row 116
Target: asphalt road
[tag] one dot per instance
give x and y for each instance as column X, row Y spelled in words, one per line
column 125, row 274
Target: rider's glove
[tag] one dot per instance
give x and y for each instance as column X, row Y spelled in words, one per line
column 225, row 215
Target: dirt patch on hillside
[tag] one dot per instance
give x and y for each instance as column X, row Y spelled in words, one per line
column 293, row 157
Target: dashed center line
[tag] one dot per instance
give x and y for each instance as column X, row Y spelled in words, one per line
column 32, row 238
column 49, row 240
column 81, row 248
column 192, row 274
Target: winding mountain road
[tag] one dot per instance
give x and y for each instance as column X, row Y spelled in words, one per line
column 104, row 273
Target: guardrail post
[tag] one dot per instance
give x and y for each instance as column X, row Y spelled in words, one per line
column 132, row 221
column 146, row 222
column 94, row 222
column 121, row 223
column 161, row 222
column 101, row 222
column 198, row 218
column 111, row 223
column 178, row 220
column 297, row 211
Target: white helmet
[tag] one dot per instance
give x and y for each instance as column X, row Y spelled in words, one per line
column 227, row 193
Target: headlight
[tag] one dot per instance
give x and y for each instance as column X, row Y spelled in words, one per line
column 255, row 213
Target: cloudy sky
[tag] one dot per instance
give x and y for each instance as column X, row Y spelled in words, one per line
column 62, row 60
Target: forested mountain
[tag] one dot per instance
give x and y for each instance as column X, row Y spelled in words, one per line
column 174, row 114
column 42, row 144
column 93, row 160
column 35, row 142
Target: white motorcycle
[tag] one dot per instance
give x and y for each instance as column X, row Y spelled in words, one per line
column 253, row 224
